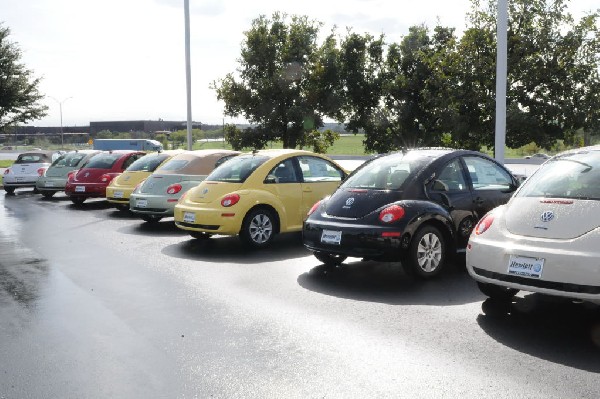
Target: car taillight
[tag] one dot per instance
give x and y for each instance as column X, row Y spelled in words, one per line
column 313, row 208
column 105, row 178
column 391, row 214
column 7, row 171
column 230, row 200
column 174, row 188
column 71, row 175
column 484, row 224
column 41, row 171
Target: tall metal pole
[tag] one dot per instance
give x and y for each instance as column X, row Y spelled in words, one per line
column 188, row 74
column 62, row 135
column 501, row 81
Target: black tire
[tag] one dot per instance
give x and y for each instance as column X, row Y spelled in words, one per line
column 48, row 194
column 426, row 255
column 258, row 228
column 151, row 218
column 330, row 260
column 497, row 292
column 78, row 200
column 122, row 207
column 199, row 235
column 9, row 190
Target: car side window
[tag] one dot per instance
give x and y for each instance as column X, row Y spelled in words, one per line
column 284, row 172
column 316, row 169
column 130, row 160
column 451, row 178
column 487, row 175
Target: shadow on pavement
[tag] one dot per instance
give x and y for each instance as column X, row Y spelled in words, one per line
column 386, row 282
column 554, row 329
column 164, row 228
column 230, row 249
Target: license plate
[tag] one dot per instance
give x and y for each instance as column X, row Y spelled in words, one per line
column 79, row 189
column 19, row 179
column 118, row 194
column 49, row 184
column 331, row 237
column 525, row 267
column 141, row 203
column 189, row 217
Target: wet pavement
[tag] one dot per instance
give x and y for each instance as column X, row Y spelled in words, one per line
column 96, row 304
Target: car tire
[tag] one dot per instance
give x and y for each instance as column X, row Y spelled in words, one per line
column 426, row 255
column 330, row 260
column 78, row 200
column 151, row 218
column 199, row 235
column 497, row 292
column 9, row 190
column 48, row 194
column 258, row 228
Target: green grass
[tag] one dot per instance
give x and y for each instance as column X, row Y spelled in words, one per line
column 5, row 163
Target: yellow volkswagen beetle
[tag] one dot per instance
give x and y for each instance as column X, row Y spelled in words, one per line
column 258, row 195
column 120, row 188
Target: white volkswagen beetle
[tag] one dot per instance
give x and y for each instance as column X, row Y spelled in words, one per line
column 546, row 239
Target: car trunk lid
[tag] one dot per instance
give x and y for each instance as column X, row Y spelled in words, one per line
column 552, row 218
column 212, row 191
column 89, row 175
column 58, row 171
column 357, row 203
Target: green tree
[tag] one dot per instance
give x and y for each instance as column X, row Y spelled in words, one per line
column 553, row 67
column 19, row 95
column 276, row 79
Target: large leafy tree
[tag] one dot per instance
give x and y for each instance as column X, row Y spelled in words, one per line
column 279, row 84
column 553, row 67
column 19, row 95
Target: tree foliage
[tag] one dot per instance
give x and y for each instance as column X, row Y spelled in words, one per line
column 19, row 95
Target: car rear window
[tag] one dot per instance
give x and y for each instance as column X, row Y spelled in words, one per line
column 103, row 161
column 575, row 176
column 32, row 158
column 71, row 159
column 387, row 173
column 237, row 170
column 174, row 164
column 147, row 163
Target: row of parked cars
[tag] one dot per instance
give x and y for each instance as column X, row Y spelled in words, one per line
column 420, row 207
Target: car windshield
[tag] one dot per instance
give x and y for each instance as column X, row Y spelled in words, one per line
column 237, row 169
column 103, row 161
column 147, row 163
column 575, row 175
column 387, row 173
column 31, row 158
column 70, row 159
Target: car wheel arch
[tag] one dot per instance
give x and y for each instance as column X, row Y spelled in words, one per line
column 441, row 223
column 271, row 209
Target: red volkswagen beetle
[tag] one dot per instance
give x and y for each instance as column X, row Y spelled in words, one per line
column 91, row 180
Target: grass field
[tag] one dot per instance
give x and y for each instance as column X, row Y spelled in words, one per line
column 5, row 163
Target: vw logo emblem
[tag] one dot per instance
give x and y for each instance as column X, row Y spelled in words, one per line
column 205, row 191
column 349, row 201
column 547, row 216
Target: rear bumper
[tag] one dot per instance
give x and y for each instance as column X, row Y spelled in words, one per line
column 89, row 190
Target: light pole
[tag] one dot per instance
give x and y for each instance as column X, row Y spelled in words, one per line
column 60, row 103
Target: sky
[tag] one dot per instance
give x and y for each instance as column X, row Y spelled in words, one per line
column 111, row 60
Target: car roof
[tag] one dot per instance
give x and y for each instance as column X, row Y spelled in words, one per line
column 200, row 162
column 274, row 153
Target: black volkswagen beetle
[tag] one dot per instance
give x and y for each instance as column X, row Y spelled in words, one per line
column 417, row 206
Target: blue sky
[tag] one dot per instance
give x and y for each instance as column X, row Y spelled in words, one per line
column 124, row 59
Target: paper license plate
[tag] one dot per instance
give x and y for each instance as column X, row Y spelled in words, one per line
column 189, row 217
column 525, row 267
column 141, row 203
column 118, row 194
column 331, row 237
column 79, row 189
column 49, row 184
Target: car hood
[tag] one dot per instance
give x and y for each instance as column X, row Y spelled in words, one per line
column 59, row 171
column 551, row 217
column 212, row 191
column 357, row 203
